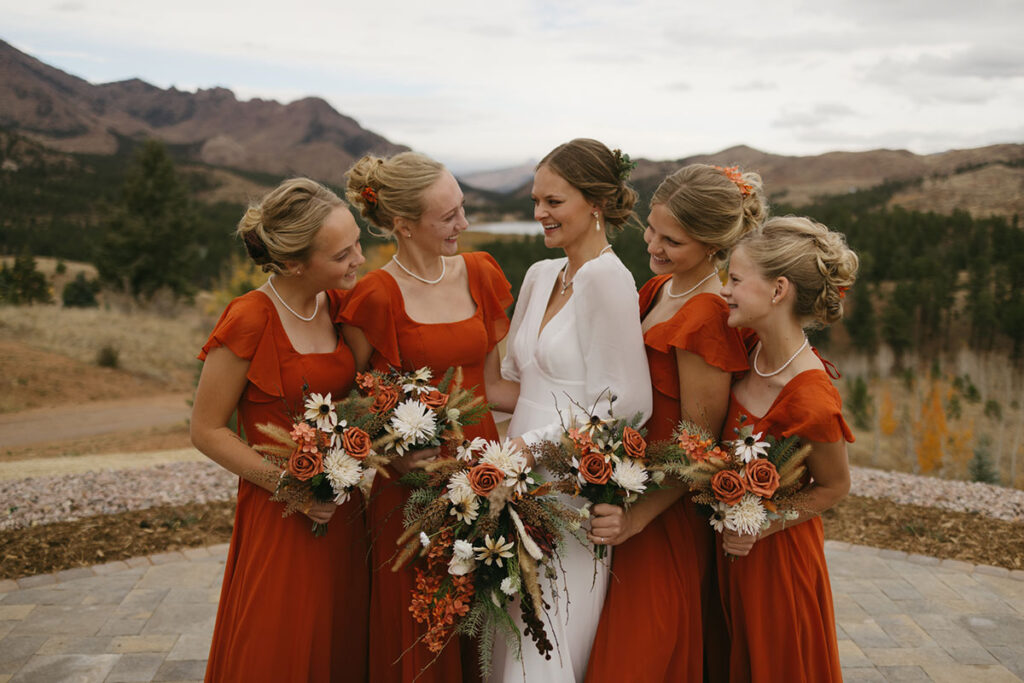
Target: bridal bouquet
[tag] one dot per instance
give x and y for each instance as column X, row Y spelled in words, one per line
column 335, row 446
column 488, row 530
column 748, row 486
column 604, row 460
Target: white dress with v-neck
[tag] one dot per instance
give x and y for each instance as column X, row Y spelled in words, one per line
column 592, row 346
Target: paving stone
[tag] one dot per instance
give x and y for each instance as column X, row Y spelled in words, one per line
column 110, row 568
column 1004, row 586
column 15, row 612
column 220, row 550
column 904, row 674
column 191, row 646
column 858, row 675
column 890, row 554
column 143, row 599
column 54, row 594
column 898, row 589
column 836, row 546
column 196, row 553
column 143, row 643
column 1017, row 574
column 166, row 558
column 926, row 560
column 991, row 571
column 37, row 580
column 78, row 668
column 132, row 668
column 875, row 604
column 122, row 627
column 868, row 634
column 992, row 630
column 184, row 669
column 862, row 549
column 904, row 630
column 170, row 618
column 136, row 562
column 183, row 575
column 193, row 595
column 906, row 656
column 964, row 673
column 957, row 564
column 74, row 645
column 74, row 573
column 16, row 650
column 970, row 654
column 8, row 585
column 851, row 656
column 64, row 620
column 1010, row 657
column 847, row 609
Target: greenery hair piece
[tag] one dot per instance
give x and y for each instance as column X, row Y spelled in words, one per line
column 624, row 163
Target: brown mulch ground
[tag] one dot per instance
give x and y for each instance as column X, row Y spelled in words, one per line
column 867, row 521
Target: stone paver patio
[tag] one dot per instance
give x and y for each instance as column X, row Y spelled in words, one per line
column 899, row 618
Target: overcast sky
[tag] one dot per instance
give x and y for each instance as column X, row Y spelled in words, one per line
column 484, row 85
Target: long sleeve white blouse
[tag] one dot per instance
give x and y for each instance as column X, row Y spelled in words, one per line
column 592, row 347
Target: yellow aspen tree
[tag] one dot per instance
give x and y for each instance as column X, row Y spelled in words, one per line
column 886, row 419
column 931, row 430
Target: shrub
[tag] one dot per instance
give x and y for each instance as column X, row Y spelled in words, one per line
column 980, row 468
column 80, row 292
column 107, row 356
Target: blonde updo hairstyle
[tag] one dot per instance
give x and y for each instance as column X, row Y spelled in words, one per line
column 711, row 207
column 599, row 174
column 814, row 259
column 281, row 227
column 386, row 189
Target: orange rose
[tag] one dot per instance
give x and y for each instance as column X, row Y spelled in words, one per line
column 366, row 381
column 634, row 444
column 385, row 399
column 484, row 478
column 356, row 442
column 305, row 466
column 727, row 486
column 762, row 477
column 434, row 399
column 594, row 468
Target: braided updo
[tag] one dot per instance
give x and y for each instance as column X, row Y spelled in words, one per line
column 813, row 258
column 384, row 189
column 599, row 174
column 282, row 225
column 713, row 207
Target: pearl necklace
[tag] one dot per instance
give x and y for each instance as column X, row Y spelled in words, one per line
column 316, row 309
column 784, row 365
column 566, row 285
column 691, row 290
column 421, row 279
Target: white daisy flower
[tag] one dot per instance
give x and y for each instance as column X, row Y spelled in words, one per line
column 343, row 472
column 465, row 509
column 630, row 475
column 750, row 447
column 413, row 422
column 747, row 516
column 468, row 448
column 717, row 519
column 458, row 486
column 504, row 455
column 494, row 550
column 509, row 587
column 520, row 479
column 338, row 431
column 424, row 540
column 419, row 382
column 320, row 411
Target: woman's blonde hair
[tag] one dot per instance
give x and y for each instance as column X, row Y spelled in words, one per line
column 384, row 189
column 599, row 174
column 815, row 260
column 716, row 206
column 282, row 225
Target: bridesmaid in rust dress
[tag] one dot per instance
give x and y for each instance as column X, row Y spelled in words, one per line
column 428, row 306
column 293, row 607
column 789, row 275
column 662, row 602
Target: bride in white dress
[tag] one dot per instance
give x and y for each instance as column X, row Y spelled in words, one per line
column 575, row 336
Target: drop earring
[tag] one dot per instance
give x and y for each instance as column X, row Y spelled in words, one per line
column 597, row 222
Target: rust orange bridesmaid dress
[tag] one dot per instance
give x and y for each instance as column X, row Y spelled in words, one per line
column 651, row 623
column 777, row 599
column 293, row 607
column 377, row 308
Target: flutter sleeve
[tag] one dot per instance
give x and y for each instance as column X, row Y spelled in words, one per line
column 493, row 294
column 509, row 364
column 245, row 328
column 701, row 327
column 611, row 341
column 370, row 306
column 813, row 410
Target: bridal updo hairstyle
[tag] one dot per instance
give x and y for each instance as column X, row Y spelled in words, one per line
column 385, row 189
column 599, row 174
column 813, row 258
column 715, row 206
column 282, row 225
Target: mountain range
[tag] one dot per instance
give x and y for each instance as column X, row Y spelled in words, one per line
column 308, row 136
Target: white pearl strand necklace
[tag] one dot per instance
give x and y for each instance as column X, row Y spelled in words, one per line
column 785, row 365
column 316, row 309
column 565, row 285
column 421, row 279
column 691, row 290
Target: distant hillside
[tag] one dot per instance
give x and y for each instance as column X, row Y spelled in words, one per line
column 69, row 114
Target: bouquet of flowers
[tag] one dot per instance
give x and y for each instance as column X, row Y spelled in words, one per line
column 747, row 487
column 488, row 529
column 333, row 447
column 604, row 460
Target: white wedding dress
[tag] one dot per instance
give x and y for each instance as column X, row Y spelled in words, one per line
column 593, row 345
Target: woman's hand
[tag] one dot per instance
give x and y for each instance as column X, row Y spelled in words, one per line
column 321, row 513
column 610, row 525
column 738, row 545
column 414, row 460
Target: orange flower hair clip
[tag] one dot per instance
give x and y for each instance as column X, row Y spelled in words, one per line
column 842, row 292
column 733, row 174
column 369, row 195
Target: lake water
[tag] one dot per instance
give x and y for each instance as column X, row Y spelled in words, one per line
column 509, row 228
